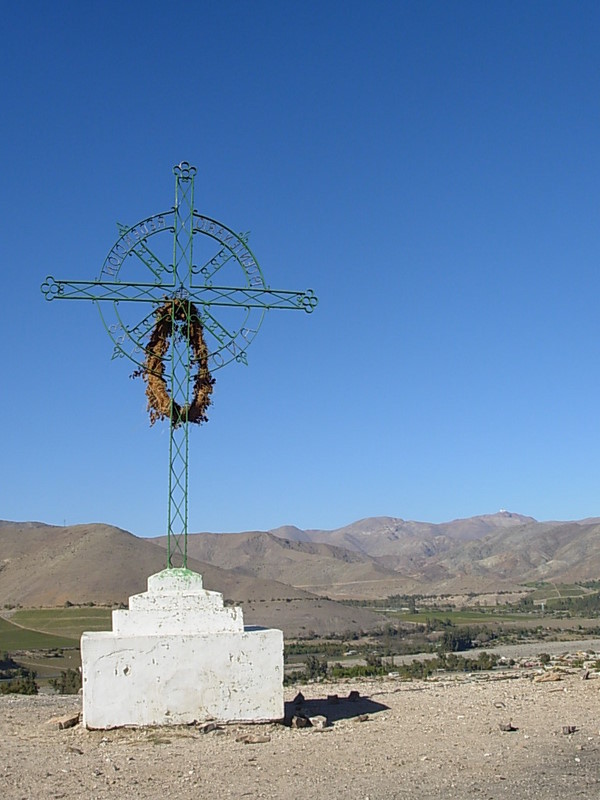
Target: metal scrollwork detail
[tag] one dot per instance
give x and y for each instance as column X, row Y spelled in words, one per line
column 309, row 301
column 184, row 171
column 51, row 288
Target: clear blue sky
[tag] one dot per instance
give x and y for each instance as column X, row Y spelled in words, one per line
column 431, row 169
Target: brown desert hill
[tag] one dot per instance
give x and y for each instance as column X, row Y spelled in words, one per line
column 392, row 536
column 521, row 554
column 482, row 525
column 44, row 565
column 292, row 533
column 539, row 551
column 48, row 565
column 492, row 552
column 321, row 568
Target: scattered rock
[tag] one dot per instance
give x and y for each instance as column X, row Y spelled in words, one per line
column 319, row 722
column 569, row 729
column 67, row 721
column 507, row 726
column 362, row 718
column 72, row 749
column 253, row 738
column 207, row 727
column 300, row 721
column 547, row 677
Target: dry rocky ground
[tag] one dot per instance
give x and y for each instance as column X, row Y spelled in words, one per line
column 435, row 739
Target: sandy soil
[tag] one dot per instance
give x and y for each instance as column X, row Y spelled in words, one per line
column 422, row 739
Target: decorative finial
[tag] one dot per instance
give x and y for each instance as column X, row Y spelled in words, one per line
column 184, row 171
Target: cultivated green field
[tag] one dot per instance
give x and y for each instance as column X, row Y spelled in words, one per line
column 66, row 622
column 555, row 591
column 14, row 638
column 51, row 637
column 470, row 617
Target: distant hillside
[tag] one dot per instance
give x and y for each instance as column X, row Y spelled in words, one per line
column 538, row 551
column 43, row 565
column 492, row 552
column 379, row 536
column 487, row 553
column 374, row 557
column 317, row 567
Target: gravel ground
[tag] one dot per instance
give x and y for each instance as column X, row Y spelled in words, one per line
column 431, row 740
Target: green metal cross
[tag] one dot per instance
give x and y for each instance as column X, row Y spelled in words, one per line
column 231, row 314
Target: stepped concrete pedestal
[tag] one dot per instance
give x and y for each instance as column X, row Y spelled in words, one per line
column 178, row 655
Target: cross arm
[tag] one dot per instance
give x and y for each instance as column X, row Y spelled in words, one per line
column 254, row 298
column 245, row 297
column 53, row 289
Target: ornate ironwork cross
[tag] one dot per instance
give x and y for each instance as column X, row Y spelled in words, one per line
column 193, row 265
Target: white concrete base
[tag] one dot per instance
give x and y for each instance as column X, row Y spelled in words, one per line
column 178, row 656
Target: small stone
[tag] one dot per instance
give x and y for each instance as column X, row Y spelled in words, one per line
column 207, row 727
column 547, row 677
column 300, row 721
column 319, row 722
column 362, row 718
column 67, row 721
column 507, row 726
column 254, row 739
column 569, row 729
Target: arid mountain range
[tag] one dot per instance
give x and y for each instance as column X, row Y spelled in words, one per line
column 282, row 576
column 379, row 556
column 44, row 565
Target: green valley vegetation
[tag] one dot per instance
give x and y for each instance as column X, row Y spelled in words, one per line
column 559, row 599
column 374, row 666
column 543, row 599
column 14, row 678
column 45, row 641
column 69, row 682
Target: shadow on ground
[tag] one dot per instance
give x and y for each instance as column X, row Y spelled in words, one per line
column 332, row 707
